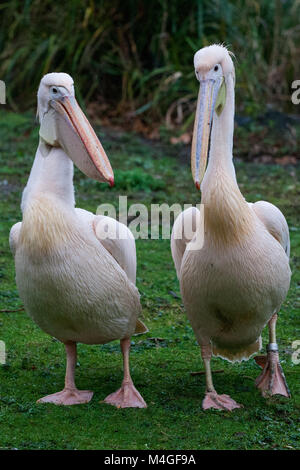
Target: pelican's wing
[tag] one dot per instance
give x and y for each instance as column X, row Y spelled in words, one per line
column 275, row 223
column 14, row 237
column 183, row 232
column 118, row 240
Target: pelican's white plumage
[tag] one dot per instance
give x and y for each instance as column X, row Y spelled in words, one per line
column 75, row 284
column 235, row 283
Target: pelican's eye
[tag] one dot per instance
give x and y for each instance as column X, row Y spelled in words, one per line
column 216, row 68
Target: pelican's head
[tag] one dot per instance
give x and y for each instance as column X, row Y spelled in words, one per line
column 63, row 124
column 213, row 65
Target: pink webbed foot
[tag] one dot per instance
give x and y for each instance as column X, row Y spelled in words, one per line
column 219, row 402
column 126, row 397
column 68, row 396
column 272, row 380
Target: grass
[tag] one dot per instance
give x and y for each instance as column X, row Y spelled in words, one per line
column 163, row 359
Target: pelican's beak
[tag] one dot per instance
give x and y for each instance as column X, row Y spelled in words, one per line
column 77, row 137
column 211, row 98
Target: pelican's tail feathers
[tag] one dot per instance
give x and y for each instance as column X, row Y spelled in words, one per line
column 140, row 328
column 238, row 354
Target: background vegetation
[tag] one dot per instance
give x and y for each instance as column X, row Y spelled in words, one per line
column 134, row 59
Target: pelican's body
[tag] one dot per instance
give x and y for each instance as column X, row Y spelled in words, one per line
column 233, row 267
column 243, row 283
column 76, row 284
column 71, row 286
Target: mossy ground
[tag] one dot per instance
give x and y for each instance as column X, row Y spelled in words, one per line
column 163, row 359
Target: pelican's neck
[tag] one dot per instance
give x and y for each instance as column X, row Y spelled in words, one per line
column 51, row 176
column 221, row 141
column 227, row 214
column 48, row 204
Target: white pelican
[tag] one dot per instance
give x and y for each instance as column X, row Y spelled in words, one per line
column 234, row 269
column 77, row 285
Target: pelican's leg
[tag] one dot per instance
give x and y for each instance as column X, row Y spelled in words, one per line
column 272, row 381
column 70, row 395
column 212, row 399
column 127, row 396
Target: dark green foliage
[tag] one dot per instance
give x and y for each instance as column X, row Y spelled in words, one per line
column 135, row 58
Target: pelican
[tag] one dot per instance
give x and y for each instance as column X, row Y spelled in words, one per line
column 231, row 257
column 76, row 284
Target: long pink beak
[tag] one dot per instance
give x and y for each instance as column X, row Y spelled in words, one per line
column 78, row 138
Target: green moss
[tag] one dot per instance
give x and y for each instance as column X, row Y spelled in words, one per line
column 160, row 368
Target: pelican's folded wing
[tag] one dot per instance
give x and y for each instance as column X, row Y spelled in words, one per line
column 275, row 223
column 183, row 231
column 14, row 237
column 120, row 243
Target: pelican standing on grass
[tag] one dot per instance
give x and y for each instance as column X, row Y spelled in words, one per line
column 76, row 284
column 234, row 268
